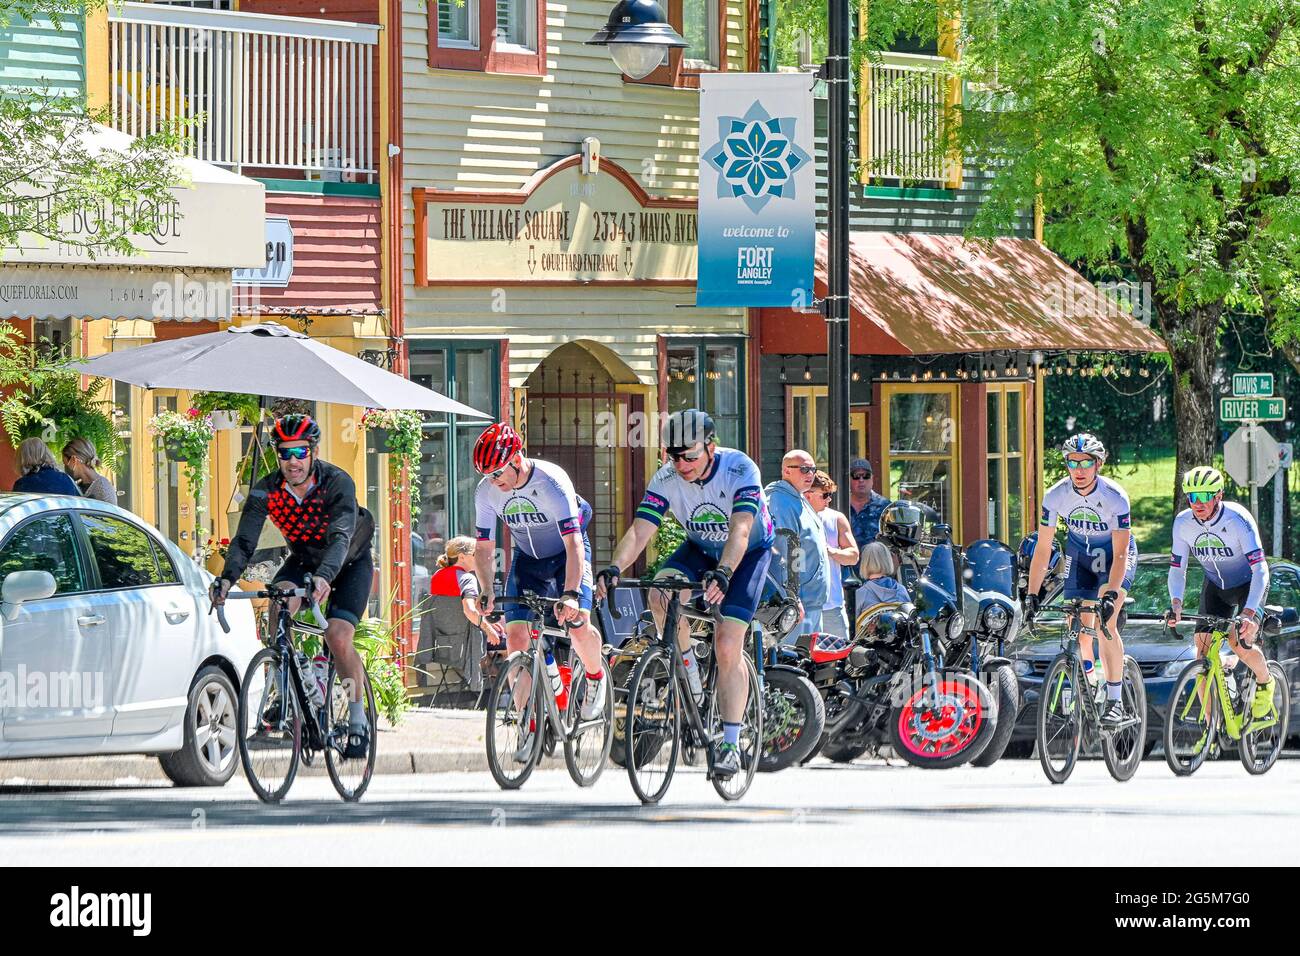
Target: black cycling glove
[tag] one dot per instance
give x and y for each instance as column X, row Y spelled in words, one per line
column 721, row 576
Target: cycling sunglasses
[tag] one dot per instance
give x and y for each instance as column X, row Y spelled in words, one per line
column 1201, row 497
column 493, row 476
column 298, row 453
column 687, row 456
column 1074, row 464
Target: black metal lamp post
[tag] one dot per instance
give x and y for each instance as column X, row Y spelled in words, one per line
column 836, row 305
column 638, row 35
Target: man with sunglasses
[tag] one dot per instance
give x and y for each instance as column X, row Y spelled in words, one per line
column 314, row 505
column 716, row 495
column 1100, row 557
column 841, row 548
column 547, row 522
column 1225, row 539
column 791, row 512
column 866, row 505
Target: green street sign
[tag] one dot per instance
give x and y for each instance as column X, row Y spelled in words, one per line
column 1252, row 409
column 1252, row 384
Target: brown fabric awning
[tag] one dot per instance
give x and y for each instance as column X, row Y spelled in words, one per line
column 920, row 294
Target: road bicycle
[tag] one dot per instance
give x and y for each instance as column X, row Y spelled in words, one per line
column 659, row 695
column 1069, row 707
column 532, row 706
column 1211, row 701
column 281, row 687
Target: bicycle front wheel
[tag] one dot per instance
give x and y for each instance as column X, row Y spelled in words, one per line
column 587, row 742
column 652, row 726
column 1259, row 749
column 1192, row 722
column 1122, row 748
column 270, row 728
column 1060, row 718
column 751, row 738
column 350, row 775
column 514, row 723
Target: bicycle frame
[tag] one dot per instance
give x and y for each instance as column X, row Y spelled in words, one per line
column 1074, row 610
column 1234, row 723
column 543, row 638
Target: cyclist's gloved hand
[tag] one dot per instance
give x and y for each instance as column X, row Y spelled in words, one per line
column 607, row 578
column 1107, row 605
column 217, row 593
column 719, row 577
column 1033, row 601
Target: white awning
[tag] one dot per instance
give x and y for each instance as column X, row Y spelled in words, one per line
column 215, row 221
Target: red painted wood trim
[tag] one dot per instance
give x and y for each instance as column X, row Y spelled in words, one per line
column 661, row 348
column 752, row 40
column 487, row 59
column 875, row 444
column 421, row 244
column 972, row 449
column 517, row 197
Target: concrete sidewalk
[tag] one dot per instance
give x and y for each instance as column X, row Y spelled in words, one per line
column 426, row 741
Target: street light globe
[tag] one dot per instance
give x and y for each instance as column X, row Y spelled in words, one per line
column 639, row 36
column 637, row 60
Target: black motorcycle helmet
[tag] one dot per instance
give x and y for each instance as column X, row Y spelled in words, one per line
column 901, row 524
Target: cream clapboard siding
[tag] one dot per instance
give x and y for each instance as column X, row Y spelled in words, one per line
column 475, row 131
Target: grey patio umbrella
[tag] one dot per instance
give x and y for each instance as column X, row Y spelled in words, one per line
column 269, row 360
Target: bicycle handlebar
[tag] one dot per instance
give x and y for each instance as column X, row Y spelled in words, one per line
column 305, row 592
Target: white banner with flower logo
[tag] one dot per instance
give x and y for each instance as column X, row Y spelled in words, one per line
column 757, row 229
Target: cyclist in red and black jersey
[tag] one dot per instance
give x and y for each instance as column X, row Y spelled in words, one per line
column 314, row 505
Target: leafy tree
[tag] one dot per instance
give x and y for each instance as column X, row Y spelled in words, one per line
column 1163, row 137
column 49, row 171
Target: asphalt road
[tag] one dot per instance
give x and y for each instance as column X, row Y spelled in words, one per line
column 866, row 812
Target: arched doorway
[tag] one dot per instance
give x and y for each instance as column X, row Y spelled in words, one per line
column 577, row 417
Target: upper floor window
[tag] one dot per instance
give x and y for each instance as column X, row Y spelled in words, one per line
column 703, row 24
column 490, row 36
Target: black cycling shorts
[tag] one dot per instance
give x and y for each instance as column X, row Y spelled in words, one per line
column 349, row 591
column 1221, row 602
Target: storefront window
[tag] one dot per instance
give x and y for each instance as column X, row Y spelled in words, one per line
column 469, row 372
column 1005, row 407
column 710, row 375
column 921, row 445
column 809, row 424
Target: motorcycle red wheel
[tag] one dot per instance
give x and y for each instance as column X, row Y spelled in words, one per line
column 947, row 735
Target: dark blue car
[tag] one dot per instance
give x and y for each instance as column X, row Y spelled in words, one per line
column 1160, row 653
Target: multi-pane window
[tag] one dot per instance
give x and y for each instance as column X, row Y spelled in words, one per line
column 921, row 447
column 809, row 425
column 1005, row 406
column 700, row 30
column 458, row 23
column 515, row 21
column 710, row 375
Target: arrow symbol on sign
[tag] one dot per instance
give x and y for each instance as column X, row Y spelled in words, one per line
column 627, row 260
column 532, row 259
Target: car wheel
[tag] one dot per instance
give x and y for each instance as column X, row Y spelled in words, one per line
column 210, row 752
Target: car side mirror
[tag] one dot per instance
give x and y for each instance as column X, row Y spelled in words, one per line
column 22, row 586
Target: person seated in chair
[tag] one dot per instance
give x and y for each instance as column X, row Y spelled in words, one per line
column 455, row 578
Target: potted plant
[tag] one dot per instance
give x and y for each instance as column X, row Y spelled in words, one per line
column 228, row 409
column 186, row 438
column 397, row 432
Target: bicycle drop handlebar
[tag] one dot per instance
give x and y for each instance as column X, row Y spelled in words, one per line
column 660, row 584
column 277, row 593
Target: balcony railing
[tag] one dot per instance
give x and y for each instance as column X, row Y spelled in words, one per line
column 265, row 92
column 905, row 121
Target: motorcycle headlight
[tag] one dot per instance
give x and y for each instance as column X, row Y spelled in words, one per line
column 1173, row 668
column 789, row 618
column 996, row 617
column 1022, row 668
column 955, row 627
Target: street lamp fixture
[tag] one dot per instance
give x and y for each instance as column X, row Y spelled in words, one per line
column 639, row 36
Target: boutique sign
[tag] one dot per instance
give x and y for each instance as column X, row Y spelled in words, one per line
column 564, row 226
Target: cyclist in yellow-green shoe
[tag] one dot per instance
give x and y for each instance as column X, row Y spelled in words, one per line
column 1225, row 539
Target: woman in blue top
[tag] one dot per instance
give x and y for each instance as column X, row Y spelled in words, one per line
column 41, row 475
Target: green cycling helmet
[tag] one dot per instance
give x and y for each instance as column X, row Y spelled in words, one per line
column 1204, row 479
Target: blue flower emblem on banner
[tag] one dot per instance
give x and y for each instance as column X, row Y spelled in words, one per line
column 756, row 156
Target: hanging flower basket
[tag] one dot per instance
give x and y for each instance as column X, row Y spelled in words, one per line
column 381, row 436
column 175, row 450
column 224, row 419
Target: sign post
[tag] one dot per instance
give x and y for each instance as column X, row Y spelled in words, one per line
column 1251, row 457
column 1279, row 490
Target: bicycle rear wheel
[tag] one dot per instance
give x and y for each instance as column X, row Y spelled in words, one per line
column 1192, row 721
column 587, row 746
column 270, row 728
column 514, row 723
column 751, row 737
column 1060, row 718
column 350, row 776
column 1259, row 749
column 652, row 725
column 1122, row 748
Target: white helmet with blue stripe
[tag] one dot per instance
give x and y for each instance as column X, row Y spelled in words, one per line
column 1084, row 444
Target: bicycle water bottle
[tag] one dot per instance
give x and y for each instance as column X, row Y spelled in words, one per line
column 320, row 667
column 693, row 673
column 315, row 696
column 553, row 673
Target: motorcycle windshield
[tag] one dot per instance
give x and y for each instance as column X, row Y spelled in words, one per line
column 937, row 588
column 991, row 566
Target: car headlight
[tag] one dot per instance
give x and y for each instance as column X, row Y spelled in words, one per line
column 996, row 617
column 1022, row 668
column 1173, row 668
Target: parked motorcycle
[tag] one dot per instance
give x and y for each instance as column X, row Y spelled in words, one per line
column 992, row 616
column 888, row 683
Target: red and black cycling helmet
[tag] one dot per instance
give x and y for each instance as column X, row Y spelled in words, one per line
column 496, row 446
column 295, row 428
